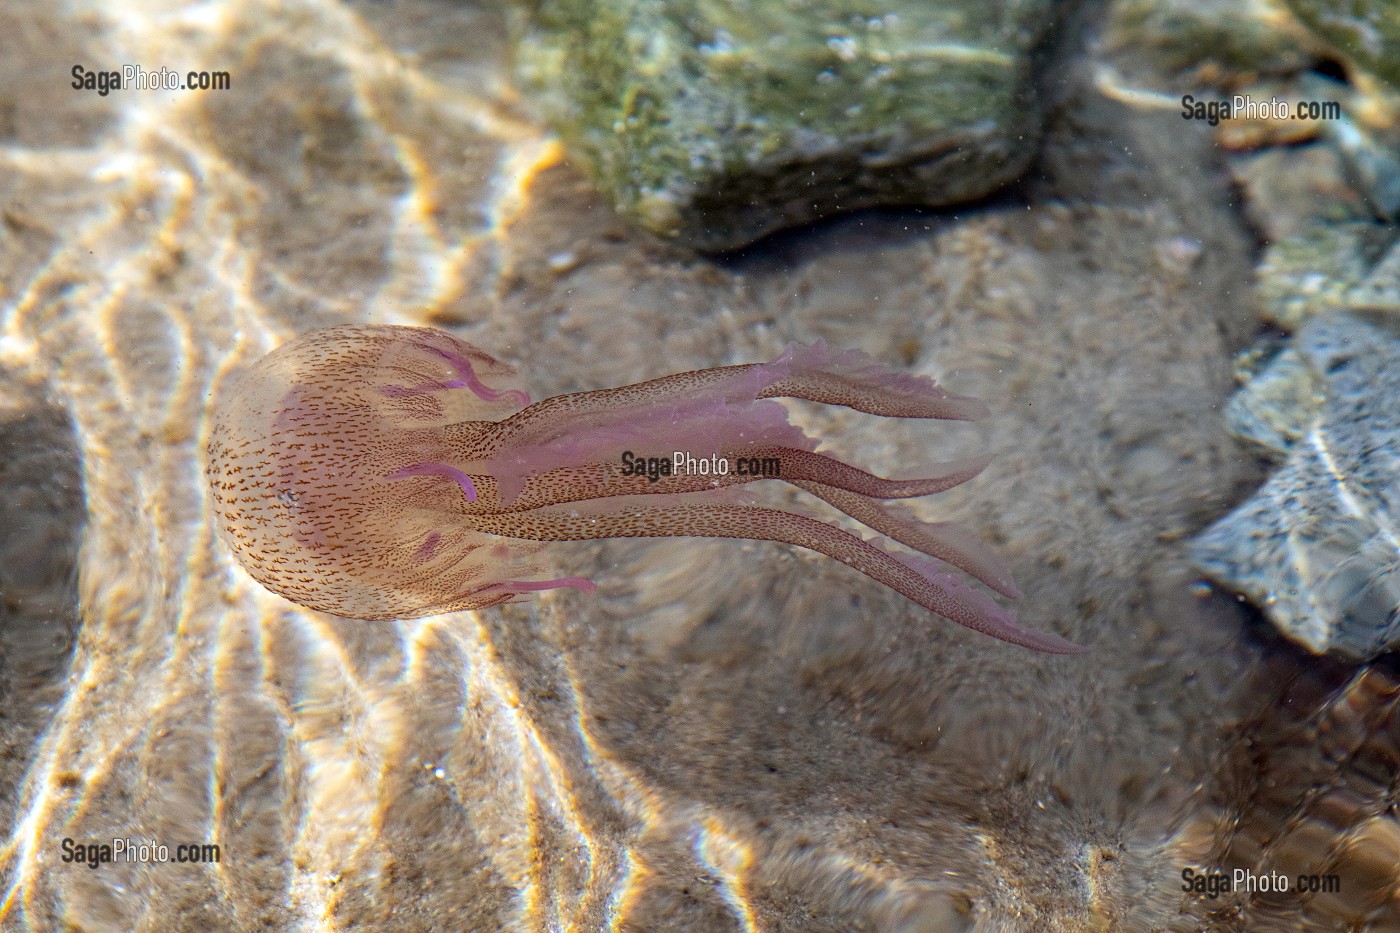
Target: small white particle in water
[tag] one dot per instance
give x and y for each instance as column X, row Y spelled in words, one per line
column 1179, row 253
column 439, row 773
column 843, row 46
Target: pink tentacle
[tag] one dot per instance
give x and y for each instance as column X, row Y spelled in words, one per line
column 533, row 586
column 946, row 541
column 444, row 470
column 467, row 379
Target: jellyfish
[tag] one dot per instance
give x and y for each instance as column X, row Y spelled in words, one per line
column 383, row 472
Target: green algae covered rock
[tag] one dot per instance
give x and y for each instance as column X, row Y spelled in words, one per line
column 1366, row 32
column 716, row 121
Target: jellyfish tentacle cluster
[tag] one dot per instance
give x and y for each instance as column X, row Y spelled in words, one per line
column 383, row 472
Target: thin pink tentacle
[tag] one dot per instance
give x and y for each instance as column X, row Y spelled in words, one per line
column 446, row 471
column 533, row 586
column 399, row 347
column 467, row 379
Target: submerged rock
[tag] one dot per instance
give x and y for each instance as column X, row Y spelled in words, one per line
column 1349, row 261
column 1318, row 546
column 1346, row 267
column 1365, row 32
column 1283, row 393
column 1291, row 189
column 1224, row 36
column 716, row 123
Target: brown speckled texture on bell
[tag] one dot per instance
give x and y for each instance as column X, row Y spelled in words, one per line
column 723, row 737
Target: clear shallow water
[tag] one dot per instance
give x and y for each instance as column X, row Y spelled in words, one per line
column 727, row 735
